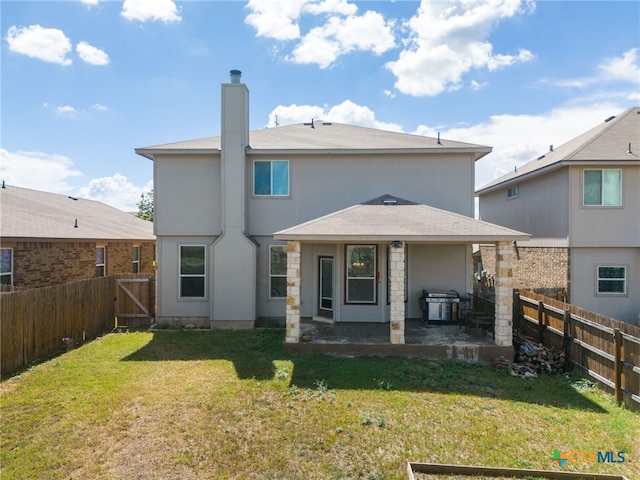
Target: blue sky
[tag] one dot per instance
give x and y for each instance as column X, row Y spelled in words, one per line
column 86, row 82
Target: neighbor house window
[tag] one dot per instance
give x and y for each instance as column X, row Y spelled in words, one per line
column 135, row 255
column 6, row 266
column 361, row 273
column 271, row 178
column 612, row 279
column 192, row 271
column 602, row 187
column 101, row 261
column 277, row 271
column 512, row 192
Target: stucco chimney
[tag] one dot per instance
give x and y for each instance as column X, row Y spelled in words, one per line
column 234, row 277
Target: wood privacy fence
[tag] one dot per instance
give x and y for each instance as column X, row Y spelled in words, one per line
column 602, row 348
column 34, row 322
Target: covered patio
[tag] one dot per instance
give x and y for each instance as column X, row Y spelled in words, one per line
column 390, row 224
column 422, row 340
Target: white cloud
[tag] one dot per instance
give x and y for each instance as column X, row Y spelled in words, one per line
column 99, row 107
column 276, row 19
column 346, row 112
column 448, row 40
column 48, row 44
column 116, row 191
column 91, row 54
column 37, row 170
column 517, row 139
column 623, row 68
column 342, row 32
column 339, row 36
column 90, row 2
column 144, row 10
column 66, row 110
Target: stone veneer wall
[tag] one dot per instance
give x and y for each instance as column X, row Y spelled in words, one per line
column 397, row 307
column 532, row 267
column 293, row 293
column 42, row 264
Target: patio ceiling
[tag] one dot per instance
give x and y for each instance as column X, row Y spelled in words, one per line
column 389, row 218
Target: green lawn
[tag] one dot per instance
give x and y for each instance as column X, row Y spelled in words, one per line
column 231, row 404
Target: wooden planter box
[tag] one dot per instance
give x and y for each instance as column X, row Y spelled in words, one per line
column 468, row 470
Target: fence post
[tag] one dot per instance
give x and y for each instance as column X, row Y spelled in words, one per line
column 517, row 312
column 541, row 325
column 617, row 368
column 566, row 340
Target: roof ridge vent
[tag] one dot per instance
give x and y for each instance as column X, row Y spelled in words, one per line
column 390, row 201
column 610, row 118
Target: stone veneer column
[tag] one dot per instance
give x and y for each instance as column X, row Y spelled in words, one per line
column 396, row 274
column 504, row 295
column 293, row 292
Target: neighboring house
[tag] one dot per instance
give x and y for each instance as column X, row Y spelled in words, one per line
column 315, row 219
column 581, row 203
column 49, row 239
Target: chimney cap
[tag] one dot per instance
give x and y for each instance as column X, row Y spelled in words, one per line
column 235, row 76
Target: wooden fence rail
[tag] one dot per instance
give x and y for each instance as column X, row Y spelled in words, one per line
column 602, row 348
column 34, row 322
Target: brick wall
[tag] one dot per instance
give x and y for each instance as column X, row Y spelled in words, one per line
column 41, row 264
column 533, row 268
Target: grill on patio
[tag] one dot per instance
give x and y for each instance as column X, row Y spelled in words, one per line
column 439, row 306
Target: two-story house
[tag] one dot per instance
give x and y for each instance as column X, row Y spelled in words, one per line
column 581, row 203
column 315, row 219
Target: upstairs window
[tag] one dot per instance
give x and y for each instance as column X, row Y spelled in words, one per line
column 6, row 266
column 135, row 255
column 101, row 261
column 271, row 178
column 192, row 271
column 612, row 279
column 512, row 192
column 278, row 271
column 602, row 187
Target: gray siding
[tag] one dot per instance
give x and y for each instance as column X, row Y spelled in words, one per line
column 583, row 288
column 188, row 195
column 606, row 226
column 323, row 184
column 541, row 207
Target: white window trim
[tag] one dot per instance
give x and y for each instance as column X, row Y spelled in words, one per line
column 10, row 273
column 517, row 190
column 271, row 195
column 134, row 261
column 374, row 278
column 601, row 205
column 104, row 260
column 623, row 280
column 270, row 275
column 180, row 275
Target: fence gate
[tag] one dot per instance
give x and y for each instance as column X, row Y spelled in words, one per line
column 135, row 302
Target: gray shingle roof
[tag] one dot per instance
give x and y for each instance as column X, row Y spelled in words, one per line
column 384, row 219
column 324, row 138
column 605, row 143
column 31, row 214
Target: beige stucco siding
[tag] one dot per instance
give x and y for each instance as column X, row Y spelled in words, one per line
column 319, row 186
column 606, row 226
column 190, row 199
column 540, row 208
column 190, row 310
